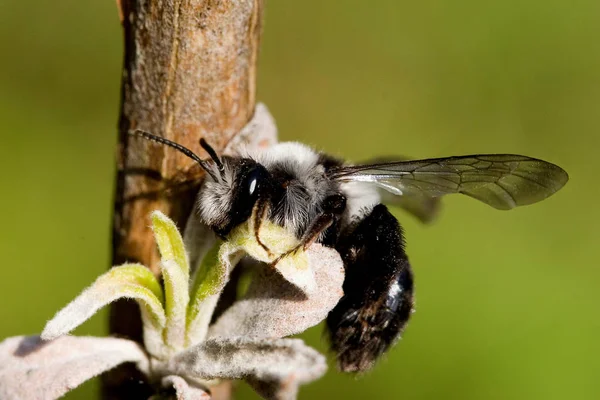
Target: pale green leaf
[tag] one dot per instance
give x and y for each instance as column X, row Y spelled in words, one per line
column 211, row 278
column 293, row 267
column 169, row 241
column 127, row 281
column 215, row 270
column 176, row 302
column 276, row 238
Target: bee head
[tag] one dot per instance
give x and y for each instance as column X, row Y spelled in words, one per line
column 229, row 194
column 231, row 188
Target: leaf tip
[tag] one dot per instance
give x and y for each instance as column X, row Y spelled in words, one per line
column 158, row 216
column 53, row 330
column 48, row 334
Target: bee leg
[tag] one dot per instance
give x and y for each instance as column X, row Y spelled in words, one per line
column 318, row 226
column 259, row 215
column 333, row 207
column 378, row 291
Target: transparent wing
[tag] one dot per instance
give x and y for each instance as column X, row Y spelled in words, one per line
column 503, row 181
column 416, row 202
column 425, row 208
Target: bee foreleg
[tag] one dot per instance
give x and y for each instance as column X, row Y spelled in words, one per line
column 259, row 215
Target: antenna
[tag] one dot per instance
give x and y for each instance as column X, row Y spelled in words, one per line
column 212, row 153
column 182, row 149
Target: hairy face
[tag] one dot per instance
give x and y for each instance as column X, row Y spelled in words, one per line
column 227, row 201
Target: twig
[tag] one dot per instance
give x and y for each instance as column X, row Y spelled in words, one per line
column 189, row 72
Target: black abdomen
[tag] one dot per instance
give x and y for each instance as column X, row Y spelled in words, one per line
column 378, row 291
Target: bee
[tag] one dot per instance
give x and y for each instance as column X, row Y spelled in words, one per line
column 322, row 199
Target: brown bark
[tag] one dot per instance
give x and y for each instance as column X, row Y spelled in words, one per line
column 189, row 72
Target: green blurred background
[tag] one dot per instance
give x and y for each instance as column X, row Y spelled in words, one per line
column 507, row 302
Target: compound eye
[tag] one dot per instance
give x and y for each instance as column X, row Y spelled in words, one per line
column 254, row 181
column 252, row 187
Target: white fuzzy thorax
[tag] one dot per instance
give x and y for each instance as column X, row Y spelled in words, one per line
column 360, row 199
column 304, row 193
column 307, row 188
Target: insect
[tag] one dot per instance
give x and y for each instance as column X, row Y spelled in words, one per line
column 321, row 199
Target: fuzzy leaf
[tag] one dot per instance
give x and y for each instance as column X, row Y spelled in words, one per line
column 176, row 274
column 279, row 365
column 293, row 267
column 212, row 274
column 198, row 240
column 183, row 389
column 127, row 281
column 169, row 241
column 258, row 134
column 211, row 278
column 33, row 369
column 176, row 302
column 273, row 308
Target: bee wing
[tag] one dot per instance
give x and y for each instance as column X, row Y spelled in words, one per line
column 503, row 181
column 422, row 206
column 416, row 202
